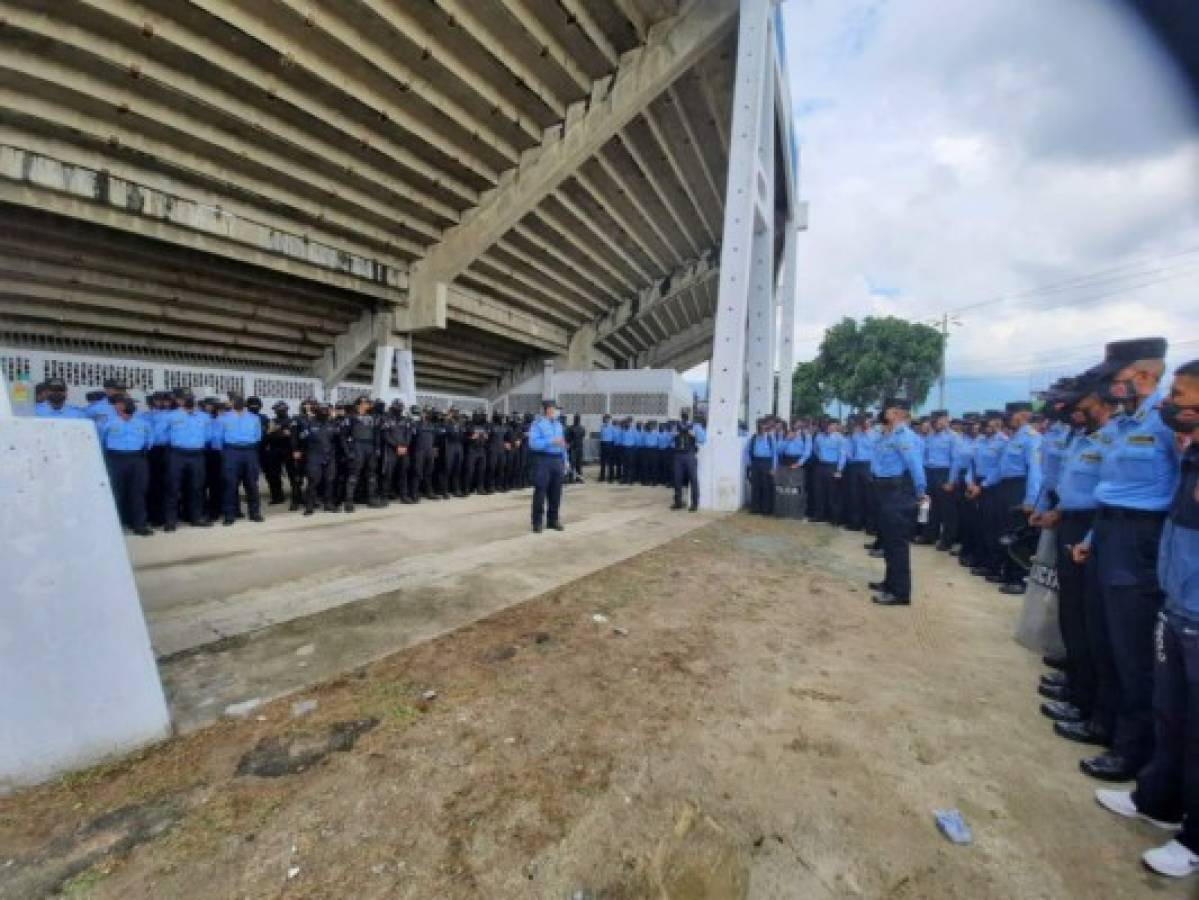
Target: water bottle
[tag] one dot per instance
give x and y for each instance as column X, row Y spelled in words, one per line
column 923, row 511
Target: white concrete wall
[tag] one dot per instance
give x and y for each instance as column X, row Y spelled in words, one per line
column 78, row 682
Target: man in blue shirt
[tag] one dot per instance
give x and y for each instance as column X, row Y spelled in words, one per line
column 187, row 438
column 1167, row 788
column 608, row 433
column 1136, row 486
column 55, row 405
column 761, row 459
column 983, row 487
column 126, row 439
column 239, row 432
column 965, row 529
column 831, row 451
column 628, row 453
column 899, row 484
column 858, row 488
column 938, row 460
column 547, row 449
column 688, row 438
column 1016, row 483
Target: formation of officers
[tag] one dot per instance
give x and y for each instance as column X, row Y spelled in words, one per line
column 1110, row 464
column 190, row 460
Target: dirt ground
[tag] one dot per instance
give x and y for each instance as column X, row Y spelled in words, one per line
column 745, row 724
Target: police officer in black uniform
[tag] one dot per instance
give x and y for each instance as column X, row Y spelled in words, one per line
column 422, row 453
column 316, row 441
column 396, row 465
column 277, row 456
column 475, row 464
column 362, row 453
column 452, row 453
column 686, row 469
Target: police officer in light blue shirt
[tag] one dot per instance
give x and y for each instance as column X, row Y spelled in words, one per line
column 938, row 460
column 1137, row 481
column 1016, row 483
column 761, row 457
column 1167, row 788
column 856, row 480
column 899, row 483
column 608, row 437
column 55, row 405
column 628, row 453
column 238, row 433
column 830, row 449
column 126, row 439
column 188, row 430
column 547, row 450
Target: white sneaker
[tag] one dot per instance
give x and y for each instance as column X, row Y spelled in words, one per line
column 1120, row 802
column 1171, row 859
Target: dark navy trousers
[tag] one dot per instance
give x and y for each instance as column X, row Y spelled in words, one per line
column 547, row 487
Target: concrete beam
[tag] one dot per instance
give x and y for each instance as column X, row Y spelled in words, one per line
column 643, row 74
column 555, row 50
column 472, row 308
column 352, row 346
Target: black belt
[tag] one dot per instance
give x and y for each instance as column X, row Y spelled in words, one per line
column 241, row 446
column 190, row 451
column 788, row 460
column 896, row 481
column 1072, row 514
column 1125, row 513
column 125, row 452
column 543, row 453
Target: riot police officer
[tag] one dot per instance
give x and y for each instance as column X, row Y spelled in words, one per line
column 362, row 453
column 277, row 456
column 395, row 447
column 316, row 442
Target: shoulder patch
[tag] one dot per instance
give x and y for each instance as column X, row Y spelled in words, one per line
column 1141, row 440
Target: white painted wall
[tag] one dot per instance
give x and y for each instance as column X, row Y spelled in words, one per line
column 78, row 682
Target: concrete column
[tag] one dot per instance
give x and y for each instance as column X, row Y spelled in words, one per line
column 763, row 327
column 78, row 681
column 393, row 377
column 788, row 300
column 547, row 382
column 580, row 353
column 722, row 481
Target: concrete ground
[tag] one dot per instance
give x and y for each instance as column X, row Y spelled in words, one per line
column 255, row 611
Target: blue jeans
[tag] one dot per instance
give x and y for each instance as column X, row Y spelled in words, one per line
column 1168, row 787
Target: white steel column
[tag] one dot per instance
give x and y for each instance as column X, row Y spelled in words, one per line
column 788, row 298
column 393, row 360
column 763, row 321
column 721, row 472
column 547, row 382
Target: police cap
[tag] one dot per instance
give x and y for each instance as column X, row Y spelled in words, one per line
column 56, row 384
column 114, row 384
column 897, row 403
column 1018, row 406
column 938, row 413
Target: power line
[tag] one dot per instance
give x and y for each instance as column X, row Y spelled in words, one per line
column 1081, row 281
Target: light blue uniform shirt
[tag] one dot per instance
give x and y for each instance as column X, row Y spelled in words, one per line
column 45, row 411
column 961, row 466
column 161, row 426
column 1079, row 476
column 832, row 449
column 899, row 452
column 986, row 458
column 188, row 430
column 100, row 411
column 1140, row 460
column 798, row 448
column 242, row 430
column 608, row 433
column 938, row 449
column 542, row 434
column 861, row 446
column 665, row 439
column 127, row 435
column 1021, row 458
column 1054, row 446
column 763, row 447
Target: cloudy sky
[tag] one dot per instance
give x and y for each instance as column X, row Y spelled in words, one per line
column 955, row 155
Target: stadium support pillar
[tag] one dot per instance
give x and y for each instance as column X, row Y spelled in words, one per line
column 746, row 259
column 394, row 378
column 547, row 383
column 788, row 299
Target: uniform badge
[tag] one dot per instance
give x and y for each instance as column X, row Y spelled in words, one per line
column 1141, row 440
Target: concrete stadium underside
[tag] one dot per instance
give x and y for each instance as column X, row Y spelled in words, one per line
column 293, row 183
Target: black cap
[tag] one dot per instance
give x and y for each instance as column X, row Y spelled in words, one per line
column 114, row 384
column 993, row 414
column 93, row 396
column 279, row 404
column 1018, row 406
column 971, row 417
column 56, row 384
column 897, row 403
column 1119, row 354
column 549, row 402
column 938, row 413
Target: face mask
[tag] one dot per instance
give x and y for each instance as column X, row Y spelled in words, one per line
column 1172, row 413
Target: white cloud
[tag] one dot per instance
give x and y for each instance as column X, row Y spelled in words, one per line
column 953, row 154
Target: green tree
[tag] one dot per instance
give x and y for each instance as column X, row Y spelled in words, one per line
column 808, row 393
column 862, row 363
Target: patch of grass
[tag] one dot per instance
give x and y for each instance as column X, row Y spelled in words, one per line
column 85, row 882
column 391, row 701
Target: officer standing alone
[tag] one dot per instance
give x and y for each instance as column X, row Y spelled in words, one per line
column 687, row 441
column 547, row 446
